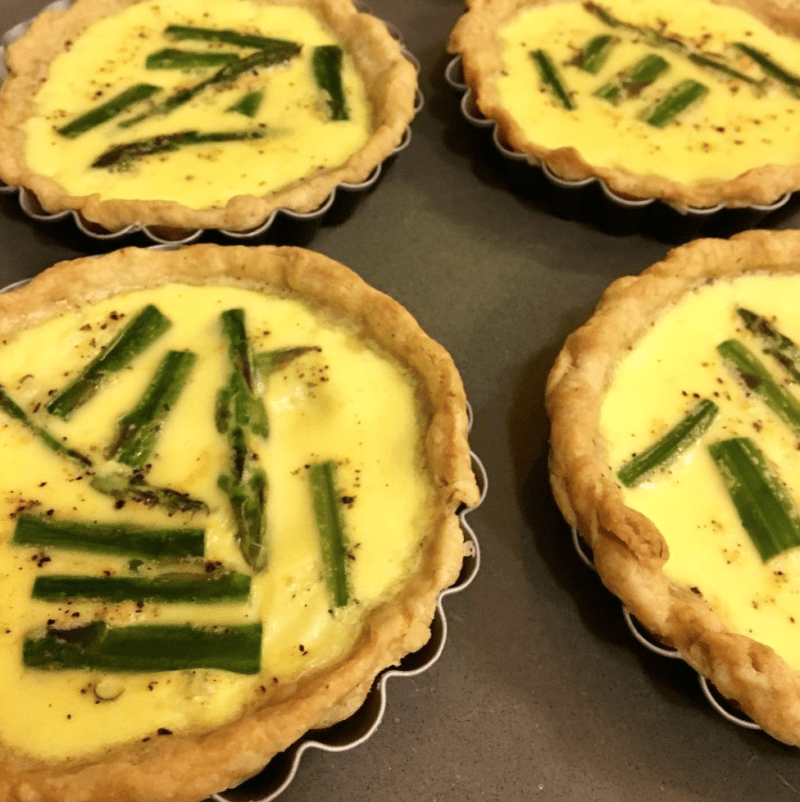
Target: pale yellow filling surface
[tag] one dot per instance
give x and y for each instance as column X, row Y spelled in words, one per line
column 731, row 131
column 110, row 56
column 652, row 388
column 344, row 403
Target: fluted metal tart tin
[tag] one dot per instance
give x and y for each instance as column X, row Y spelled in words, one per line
column 591, row 200
column 283, row 225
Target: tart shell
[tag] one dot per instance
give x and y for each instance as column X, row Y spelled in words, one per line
column 475, row 39
column 192, row 765
column 628, row 550
column 390, row 81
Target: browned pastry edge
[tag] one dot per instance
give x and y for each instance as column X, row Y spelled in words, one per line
column 474, row 39
column 628, row 549
column 190, row 766
column 389, row 78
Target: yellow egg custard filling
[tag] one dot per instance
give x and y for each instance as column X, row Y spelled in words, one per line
column 214, row 540
column 675, row 429
column 200, row 108
column 691, row 102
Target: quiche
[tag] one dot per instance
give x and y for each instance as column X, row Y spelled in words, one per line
column 229, row 495
column 186, row 114
column 692, row 103
column 674, row 453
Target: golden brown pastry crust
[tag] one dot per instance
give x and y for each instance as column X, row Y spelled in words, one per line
column 474, row 39
column 628, row 549
column 390, row 80
column 189, row 766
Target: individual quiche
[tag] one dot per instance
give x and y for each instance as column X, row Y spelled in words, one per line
column 229, row 492
column 693, row 103
column 193, row 114
column 675, row 431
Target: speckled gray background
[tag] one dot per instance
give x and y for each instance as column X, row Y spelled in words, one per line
column 541, row 693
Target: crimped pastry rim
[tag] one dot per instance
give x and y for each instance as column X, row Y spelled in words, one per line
column 389, row 75
column 473, row 38
column 627, row 548
column 191, row 766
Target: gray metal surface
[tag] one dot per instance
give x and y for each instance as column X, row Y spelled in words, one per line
column 541, row 692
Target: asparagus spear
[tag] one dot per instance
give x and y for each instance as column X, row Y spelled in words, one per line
column 268, row 362
column 106, row 538
column 133, row 487
column 675, row 102
column 223, row 586
column 330, row 525
column 550, row 78
column 248, row 104
column 108, row 110
column 237, row 402
column 714, row 63
column 123, row 155
column 224, row 35
column 759, row 380
column 239, row 412
column 326, row 62
column 13, row 410
column 633, row 81
column 594, row 53
column 245, row 485
column 765, row 508
column 138, row 430
column 269, row 56
column 146, row 648
column 171, row 58
column 771, row 68
column 777, row 344
column 140, row 332
column 687, row 431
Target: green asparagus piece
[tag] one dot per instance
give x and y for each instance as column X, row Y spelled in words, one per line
column 771, row 68
column 122, row 155
column 239, row 412
column 275, row 54
column 118, row 538
column 224, row 35
column 245, row 485
column 330, row 524
column 237, row 403
column 138, row 334
column 13, row 410
column 133, row 487
column 594, row 53
column 550, row 78
column 777, row 344
column 765, row 508
column 248, row 104
column 759, row 380
column 675, row 102
column 326, row 62
column 687, row 431
column 146, row 648
column 137, row 431
column 633, row 81
column 269, row 362
column 108, row 110
column 171, row 58
column 224, row 586
column 714, row 63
